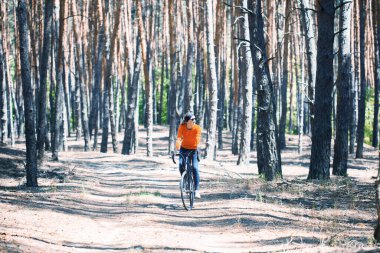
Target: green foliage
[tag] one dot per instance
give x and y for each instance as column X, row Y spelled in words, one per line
column 368, row 129
column 369, row 116
column 141, row 105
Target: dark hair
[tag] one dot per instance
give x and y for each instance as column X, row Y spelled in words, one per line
column 188, row 116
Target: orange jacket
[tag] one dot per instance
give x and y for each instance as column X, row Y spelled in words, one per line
column 190, row 137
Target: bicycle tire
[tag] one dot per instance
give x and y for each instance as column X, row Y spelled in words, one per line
column 187, row 190
column 191, row 189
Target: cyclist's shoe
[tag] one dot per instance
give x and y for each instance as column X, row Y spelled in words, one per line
column 197, row 195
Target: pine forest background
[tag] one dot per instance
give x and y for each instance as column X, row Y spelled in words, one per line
column 259, row 69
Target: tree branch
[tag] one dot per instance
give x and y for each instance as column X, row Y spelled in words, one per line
column 340, row 31
column 306, row 9
column 238, row 6
column 77, row 15
column 341, row 5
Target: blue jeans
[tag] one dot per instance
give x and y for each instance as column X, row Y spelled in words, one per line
column 184, row 152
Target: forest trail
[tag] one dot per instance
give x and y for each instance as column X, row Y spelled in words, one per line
column 94, row 202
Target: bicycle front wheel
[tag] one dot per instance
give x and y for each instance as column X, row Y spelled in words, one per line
column 187, row 190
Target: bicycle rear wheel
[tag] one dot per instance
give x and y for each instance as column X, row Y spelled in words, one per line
column 187, row 190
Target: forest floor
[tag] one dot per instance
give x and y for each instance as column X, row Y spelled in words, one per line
column 96, row 202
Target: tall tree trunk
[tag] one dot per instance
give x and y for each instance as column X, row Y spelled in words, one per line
column 52, row 80
column 247, row 65
column 172, row 103
column 59, row 87
column 81, row 89
column 129, row 143
column 376, row 28
column 343, row 91
column 107, row 107
column 8, row 88
column 3, row 99
column 354, row 94
column 300, row 104
column 96, row 90
column 44, row 61
column 3, row 94
column 220, row 68
column 285, row 72
column 3, row 79
column 210, row 145
column 268, row 153
column 307, row 24
column 188, row 106
column 31, row 154
column 321, row 128
column 363, row 81
column 148, row 79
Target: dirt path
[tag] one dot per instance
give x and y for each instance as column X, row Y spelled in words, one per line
column 93, row 202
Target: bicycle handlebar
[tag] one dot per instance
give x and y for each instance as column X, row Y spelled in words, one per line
column 173, row 157
column 179, row 154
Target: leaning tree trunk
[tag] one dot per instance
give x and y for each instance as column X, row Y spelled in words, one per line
column 268, row 153
column 247, row 74
column 363, row 85
column 321, row 129
column 59, row 88
column 210, row 145
column 44, row 61
column 343, row 92
column 129, row 142
column 31, row 154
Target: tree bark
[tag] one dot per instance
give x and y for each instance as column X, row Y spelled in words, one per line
column 129, row 143
column 81, row 92
column 343, row 92
column 268, row 153
column 307, row 25
column 3, row 98
column 172, row 100
column 59, row 87
column 363, row 81
column 95, row 105
column 31, row 147
column 44, row 61
column 108, row 116
column 354, row 94
column 247, row 65
column 285, row 72
column 376, row 28
column 321, row 129
column 145, row 52
column 210, row 145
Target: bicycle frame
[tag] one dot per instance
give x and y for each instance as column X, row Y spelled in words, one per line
column 187, row 184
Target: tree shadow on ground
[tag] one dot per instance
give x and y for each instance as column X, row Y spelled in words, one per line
column 12, row 163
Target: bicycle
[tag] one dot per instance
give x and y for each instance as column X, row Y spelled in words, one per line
column 187, row 183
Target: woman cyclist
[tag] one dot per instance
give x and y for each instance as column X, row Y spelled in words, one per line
column 188, row 139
